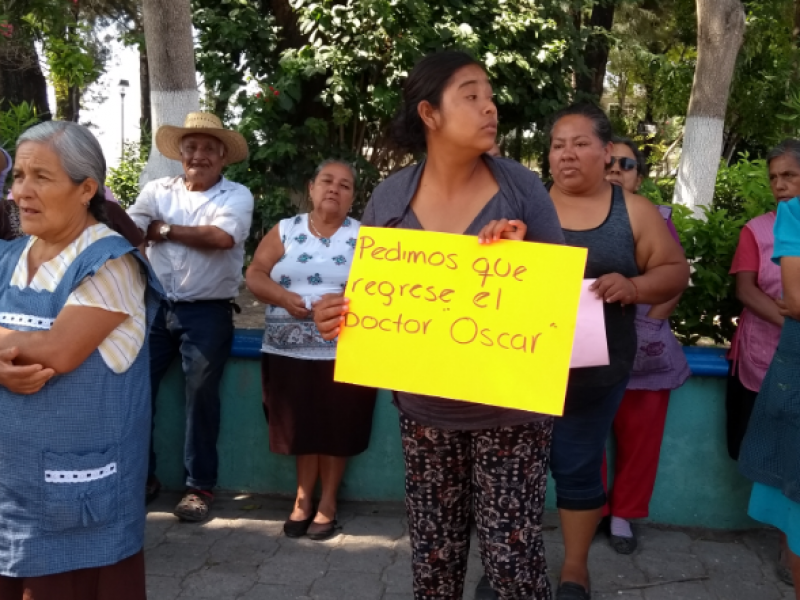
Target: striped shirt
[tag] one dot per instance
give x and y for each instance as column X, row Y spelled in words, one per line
column 118, row 286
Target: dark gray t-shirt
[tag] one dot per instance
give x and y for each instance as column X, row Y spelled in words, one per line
column 521, row 196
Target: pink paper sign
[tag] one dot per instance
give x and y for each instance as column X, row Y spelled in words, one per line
column 590, row 347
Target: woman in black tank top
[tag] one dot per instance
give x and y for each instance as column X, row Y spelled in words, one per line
column 635, row 261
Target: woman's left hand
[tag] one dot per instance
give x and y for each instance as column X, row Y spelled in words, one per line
column 502, row 229
column 782, row 307
column 27, row 379
column 614, row 287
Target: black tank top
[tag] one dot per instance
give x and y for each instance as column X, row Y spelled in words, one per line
column 611, row 250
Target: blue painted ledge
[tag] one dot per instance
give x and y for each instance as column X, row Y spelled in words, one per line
column 704, row 362
column 247, row 343
column 698, row 485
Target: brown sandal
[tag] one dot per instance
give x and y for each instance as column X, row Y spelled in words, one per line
column 194, row 506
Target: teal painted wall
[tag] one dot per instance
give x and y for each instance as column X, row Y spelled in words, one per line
column 697, row 484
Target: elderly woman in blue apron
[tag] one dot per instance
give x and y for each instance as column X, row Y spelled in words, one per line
column 76, row 303
column 771, row 444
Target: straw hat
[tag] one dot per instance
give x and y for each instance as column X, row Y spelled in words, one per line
column 168, row 137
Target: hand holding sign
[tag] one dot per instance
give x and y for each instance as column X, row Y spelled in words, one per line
column 329, row 315
column 502, row 230
column 441, row 315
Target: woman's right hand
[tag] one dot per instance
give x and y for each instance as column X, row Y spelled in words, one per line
column 328, row 315
column 27, row 379
column 295, row 305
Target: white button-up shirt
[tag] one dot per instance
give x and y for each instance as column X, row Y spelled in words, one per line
column 190, row 274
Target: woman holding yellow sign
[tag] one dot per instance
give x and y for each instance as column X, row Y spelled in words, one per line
column 459, row 454
column 635, row 261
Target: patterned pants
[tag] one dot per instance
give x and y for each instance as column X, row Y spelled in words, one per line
column 504, row 473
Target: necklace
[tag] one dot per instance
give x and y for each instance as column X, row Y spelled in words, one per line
column 315, row 231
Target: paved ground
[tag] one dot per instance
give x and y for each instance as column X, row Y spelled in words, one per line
column 242, row 554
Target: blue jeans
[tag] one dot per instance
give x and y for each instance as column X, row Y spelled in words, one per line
column 202, row 332
column 579, row 440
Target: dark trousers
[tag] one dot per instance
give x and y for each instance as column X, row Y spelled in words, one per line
column 739, row 403
column 579, row 443
column 504, row 472
column 202, row 333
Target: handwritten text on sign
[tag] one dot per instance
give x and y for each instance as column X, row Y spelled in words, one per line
column 442, row 315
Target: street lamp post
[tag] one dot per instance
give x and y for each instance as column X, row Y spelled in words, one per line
column 123, row 87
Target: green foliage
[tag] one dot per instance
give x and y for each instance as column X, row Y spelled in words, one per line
column 72, row 60
column 766, row 73
column 68, row 33
column 790, row 116
column 324, row 80
column 742, row 189
column 124, row 179
column 652, row 68
column 13, row 122
column 709, row 306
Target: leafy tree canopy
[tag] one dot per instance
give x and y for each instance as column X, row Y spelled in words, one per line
column 315, row 79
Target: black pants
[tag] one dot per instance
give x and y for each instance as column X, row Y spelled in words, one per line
column 504, row 472
column 739, row 402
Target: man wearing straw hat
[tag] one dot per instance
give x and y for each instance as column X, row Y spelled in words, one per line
column 196, row 225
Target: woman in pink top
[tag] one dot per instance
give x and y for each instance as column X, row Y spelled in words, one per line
column 758, row 286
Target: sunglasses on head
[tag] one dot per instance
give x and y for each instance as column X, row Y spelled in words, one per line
column 625, row 163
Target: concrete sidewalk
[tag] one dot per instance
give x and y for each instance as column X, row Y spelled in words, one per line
column 242, row 554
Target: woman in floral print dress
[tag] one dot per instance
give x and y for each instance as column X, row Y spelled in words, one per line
column 321, row 422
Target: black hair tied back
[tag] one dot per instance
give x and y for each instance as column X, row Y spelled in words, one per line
column 426, row 82
column 97, row 205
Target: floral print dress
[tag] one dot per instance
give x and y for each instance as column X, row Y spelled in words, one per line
column 310, row 267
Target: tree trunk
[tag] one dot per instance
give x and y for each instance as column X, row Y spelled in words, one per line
column 173, row 85
column 146, row 119
column 597, row 47
column 796, row 29
column 68, row 102
column 720, row 29
column 729, row 148
column 21, row 78
column 796, row 36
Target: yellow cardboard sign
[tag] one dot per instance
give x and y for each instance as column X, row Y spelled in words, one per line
column 442, row 315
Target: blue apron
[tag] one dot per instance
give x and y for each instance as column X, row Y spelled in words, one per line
column 73, row 456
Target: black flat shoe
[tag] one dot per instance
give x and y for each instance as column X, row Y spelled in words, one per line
column 624, row 545
column 319, row 532
column 603, row 527
column 152, row 490
column 484, row 590
column 297, row 529
column 570, row 590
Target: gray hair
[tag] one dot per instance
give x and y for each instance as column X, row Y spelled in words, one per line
column 788, row 146
column 335, row 161
column 80, row 154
